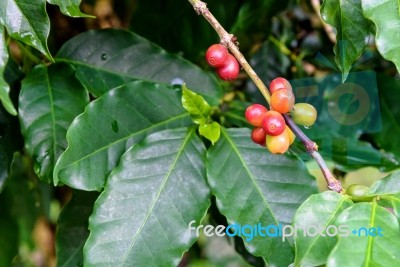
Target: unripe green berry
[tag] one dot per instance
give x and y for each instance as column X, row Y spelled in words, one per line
column 359, row 193
column 304, row 114
column 357, row 190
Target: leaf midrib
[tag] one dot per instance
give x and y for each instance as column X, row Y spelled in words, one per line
column 52, row 112
column 30, row 26
column 368, row 255
column 326, row 224
column 155, row 200
column 77, row 250
column 98, row 68
column 197, row 104
column 236, row 150
column 121, row 139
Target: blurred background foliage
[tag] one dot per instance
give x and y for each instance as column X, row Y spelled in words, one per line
column 278, row 37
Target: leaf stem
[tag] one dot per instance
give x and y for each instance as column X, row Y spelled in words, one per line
column 26, row 52
column 231, row 43
column 282, row 47
column 330, row 32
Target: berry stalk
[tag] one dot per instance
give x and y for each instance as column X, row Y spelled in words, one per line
column 312, row 149
column 231, row 43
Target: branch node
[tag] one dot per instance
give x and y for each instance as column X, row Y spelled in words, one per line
column 335, row 185
column 310, row 146
column 235, row 40
column 200, row 7
column 227, row 40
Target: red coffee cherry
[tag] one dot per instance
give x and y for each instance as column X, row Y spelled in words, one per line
column 278, row 144
column 273, row 123
column 216, row 55
column 230, row 70
column 279, row 83
column 258, row 136
column 255, row 114
column 282, row 100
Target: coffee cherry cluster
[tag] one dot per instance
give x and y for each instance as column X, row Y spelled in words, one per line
column 227, row 67
column 270, row 128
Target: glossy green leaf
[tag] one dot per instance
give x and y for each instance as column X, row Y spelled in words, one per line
column 142, row 217
column 10, row 141
column 350, row 154
column 70, row 7
column 253, row 186
column 317, row 212
column 195, row 104
column 352, row 31
column 22, row 198
column 72, row 230
column 27, row 21
column 110, row 125
column 387, row 185
column 211, row 131
column 386, row 17
column 4, row 87
column 108, row 58
column 392, row 203
column 48, row 103
column 361, row 249
column 389, row 98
